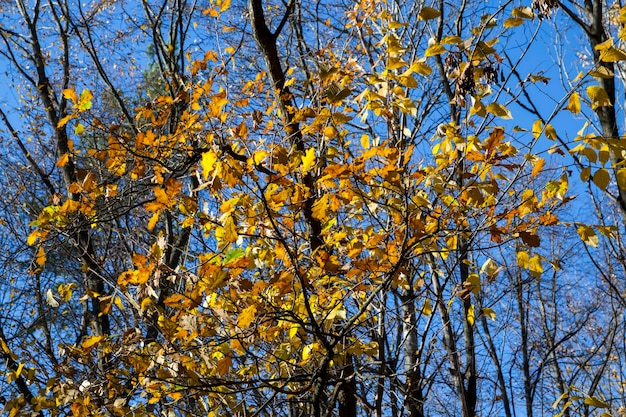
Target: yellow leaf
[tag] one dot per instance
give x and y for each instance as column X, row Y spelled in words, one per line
column 474, row 283
column 419, row 67
column 84, row 101
column 471, row 315
column 259, row 156
column 535, row 266
column 561, row 398
column 308, row 160
column 64, row 120
column 537, row 128
column 451, row 40
column 246, row 317
column 427, row 308
column 70, row 94
column 499, row 110
column 428, row 13
column 19, row 369
column 596, row 402
column 601, row 178
column 478, row 108
column 40, row 258
column 522, row 259
column 598, row 97
column 308, row 351
column 585, row 174
column 365, row 141
column 436, row 49
column 523, row 12
column 609, row 53
column 587, row 235
column 601, row 72
column 153, row 220
column 207, row 163
column 229, row 230
column 223, row 5
column 321, row 207
column 91, row 341
column 396, row 25
column 146, row 303
column 573, row 104
column 512, row 22
column 550, row 132
column 488, row 312
column 32, row 238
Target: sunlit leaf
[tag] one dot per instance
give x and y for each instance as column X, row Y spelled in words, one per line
column 588, row 235
column 427, row 308
column 207, row 162
column 91, row 341
column 308, row 160
column 610, row 53
column 523, row 12
column 512, row 22
column 550, row 132
column 601, row 72
column 471, row 315
column 573, row 103
column 246, row 317
column 489, row 313
column 436, row 49
column 365, row 141
column 538, row 165
column 499, row 110
column 537, row 128
column 598, row 97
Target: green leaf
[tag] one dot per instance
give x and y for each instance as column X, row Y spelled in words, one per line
column 233, row 255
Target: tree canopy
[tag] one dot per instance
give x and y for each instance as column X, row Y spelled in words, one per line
column 339, row 208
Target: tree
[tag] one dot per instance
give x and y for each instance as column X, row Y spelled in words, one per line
column 307, row 211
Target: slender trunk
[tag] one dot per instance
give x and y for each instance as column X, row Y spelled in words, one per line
column 521, row 306
column 491, row 347
column 450, row 346
column 414, row 399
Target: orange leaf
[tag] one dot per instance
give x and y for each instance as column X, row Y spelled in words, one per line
column 223, row 365
column 63, row 160
column 537, row 167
